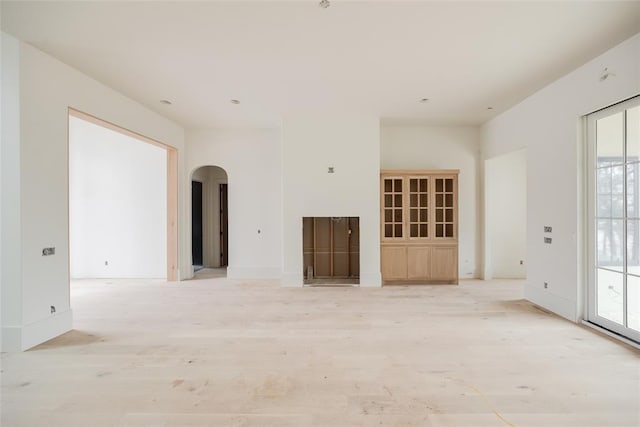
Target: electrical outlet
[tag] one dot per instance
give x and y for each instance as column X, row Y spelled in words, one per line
column 547, row 229
column 548, row 240
column 521, row 262
column 53, row 309
column 546, row 285
column 48, row 251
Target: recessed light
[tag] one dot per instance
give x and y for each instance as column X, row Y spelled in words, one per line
column 424, row 100
column 235, row 101
column 165, row 102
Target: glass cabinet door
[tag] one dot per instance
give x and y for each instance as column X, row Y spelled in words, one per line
column 444, row 196
column 393, row 215
column 419, row 207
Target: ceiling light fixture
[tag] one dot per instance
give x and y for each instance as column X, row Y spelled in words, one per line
column 235, row 101
column 165, row 102
column 324, row 4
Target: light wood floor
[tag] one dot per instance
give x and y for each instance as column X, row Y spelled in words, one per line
column 217, row 352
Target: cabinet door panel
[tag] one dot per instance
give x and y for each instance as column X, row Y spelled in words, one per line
column 394, row 262
column 444, row 263
column 419, row 263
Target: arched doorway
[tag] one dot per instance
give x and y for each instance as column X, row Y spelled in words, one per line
column 209, row 219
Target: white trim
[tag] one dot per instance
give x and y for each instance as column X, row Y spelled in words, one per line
column 370, row 280
column 253, row 273
column 292, row 280
column 611, row 334
column 589, row 312
column 21, row 338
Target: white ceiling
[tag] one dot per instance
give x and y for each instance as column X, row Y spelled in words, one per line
column 279, row 58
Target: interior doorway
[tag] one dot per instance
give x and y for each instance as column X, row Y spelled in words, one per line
column 196, row 224
column 122, row 202
column 224, row 225
column 209, row 220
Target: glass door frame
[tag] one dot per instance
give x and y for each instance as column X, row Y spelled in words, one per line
column 591, row 199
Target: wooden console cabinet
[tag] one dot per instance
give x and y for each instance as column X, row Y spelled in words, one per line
column 419, row 226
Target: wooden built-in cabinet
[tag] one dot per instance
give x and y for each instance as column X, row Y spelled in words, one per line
column 419, row 226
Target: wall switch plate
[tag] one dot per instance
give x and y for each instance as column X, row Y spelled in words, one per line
column 547, row 229
column 546, row 285
column 521, row 262
column 547, row 240
column 53, row 309
column 48, row 251
column 330, row 169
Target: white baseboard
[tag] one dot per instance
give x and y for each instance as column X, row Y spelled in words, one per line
column 371, row 280
column 292, row 280
column 552, row 302
column 21, row 338
column 253, row 273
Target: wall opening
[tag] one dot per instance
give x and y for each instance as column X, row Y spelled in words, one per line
column 209, row 221
column 331, row 250
column 506, row 216
column 122, row 202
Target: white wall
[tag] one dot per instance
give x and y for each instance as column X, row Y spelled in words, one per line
column 10, row 250
column 117, row 204
column 350, row 144
column 47, row 88
column 443, row 147
column 252, row 161
column 506, row 216
column 549, row 125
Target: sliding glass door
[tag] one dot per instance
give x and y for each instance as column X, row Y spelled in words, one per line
column 614, row 218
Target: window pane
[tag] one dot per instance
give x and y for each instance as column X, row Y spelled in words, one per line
column 603, row 180
column 388, row 185
column 633, row 134
column 398, row 230
column 610, row 295
column 633, row 247
column 633, row 302
column 450, row 185
column 398, row 215
column 609, row 137
column 609, row 243
column 388, row 230
column 397, row 186
column 632, row 190
column 414, row 215
column 413, row 185
column 387, row 215
column 423, row 185
column 414, row 230
column 424, row 216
